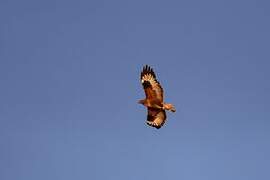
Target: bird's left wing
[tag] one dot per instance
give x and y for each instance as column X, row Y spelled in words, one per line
column 152, row 87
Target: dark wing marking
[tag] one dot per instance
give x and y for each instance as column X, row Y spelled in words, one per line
column 156, row 117
column 152, row 87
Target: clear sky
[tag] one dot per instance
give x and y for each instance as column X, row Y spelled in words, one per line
column 69, row 86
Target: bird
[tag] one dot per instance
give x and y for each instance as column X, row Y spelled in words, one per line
column 154, row 100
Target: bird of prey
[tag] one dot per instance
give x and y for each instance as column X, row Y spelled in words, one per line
column 154, row 102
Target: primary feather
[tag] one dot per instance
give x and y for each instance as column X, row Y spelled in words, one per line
column 150, row 84
column 156, row 117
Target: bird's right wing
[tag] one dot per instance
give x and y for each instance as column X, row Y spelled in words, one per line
column 156, row 117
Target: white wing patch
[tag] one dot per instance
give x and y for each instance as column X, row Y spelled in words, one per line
column 152, row 123
column 150, row 78
column 156, row 120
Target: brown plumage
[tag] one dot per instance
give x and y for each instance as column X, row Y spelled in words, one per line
column 154, row 100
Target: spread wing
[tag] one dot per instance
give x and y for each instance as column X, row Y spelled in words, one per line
column 152, row 87
column 156, row 117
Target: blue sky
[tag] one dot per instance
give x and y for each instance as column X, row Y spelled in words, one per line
column 69, row 74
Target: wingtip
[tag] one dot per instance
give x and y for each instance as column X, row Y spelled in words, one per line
column 148, row 70
column 147, row 67
column 149, row 123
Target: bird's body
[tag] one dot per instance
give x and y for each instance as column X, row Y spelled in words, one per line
column 154, row 99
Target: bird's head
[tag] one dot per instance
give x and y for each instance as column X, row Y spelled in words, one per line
column 169, row 107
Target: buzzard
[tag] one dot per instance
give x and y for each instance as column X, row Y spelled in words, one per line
column 154, row 99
